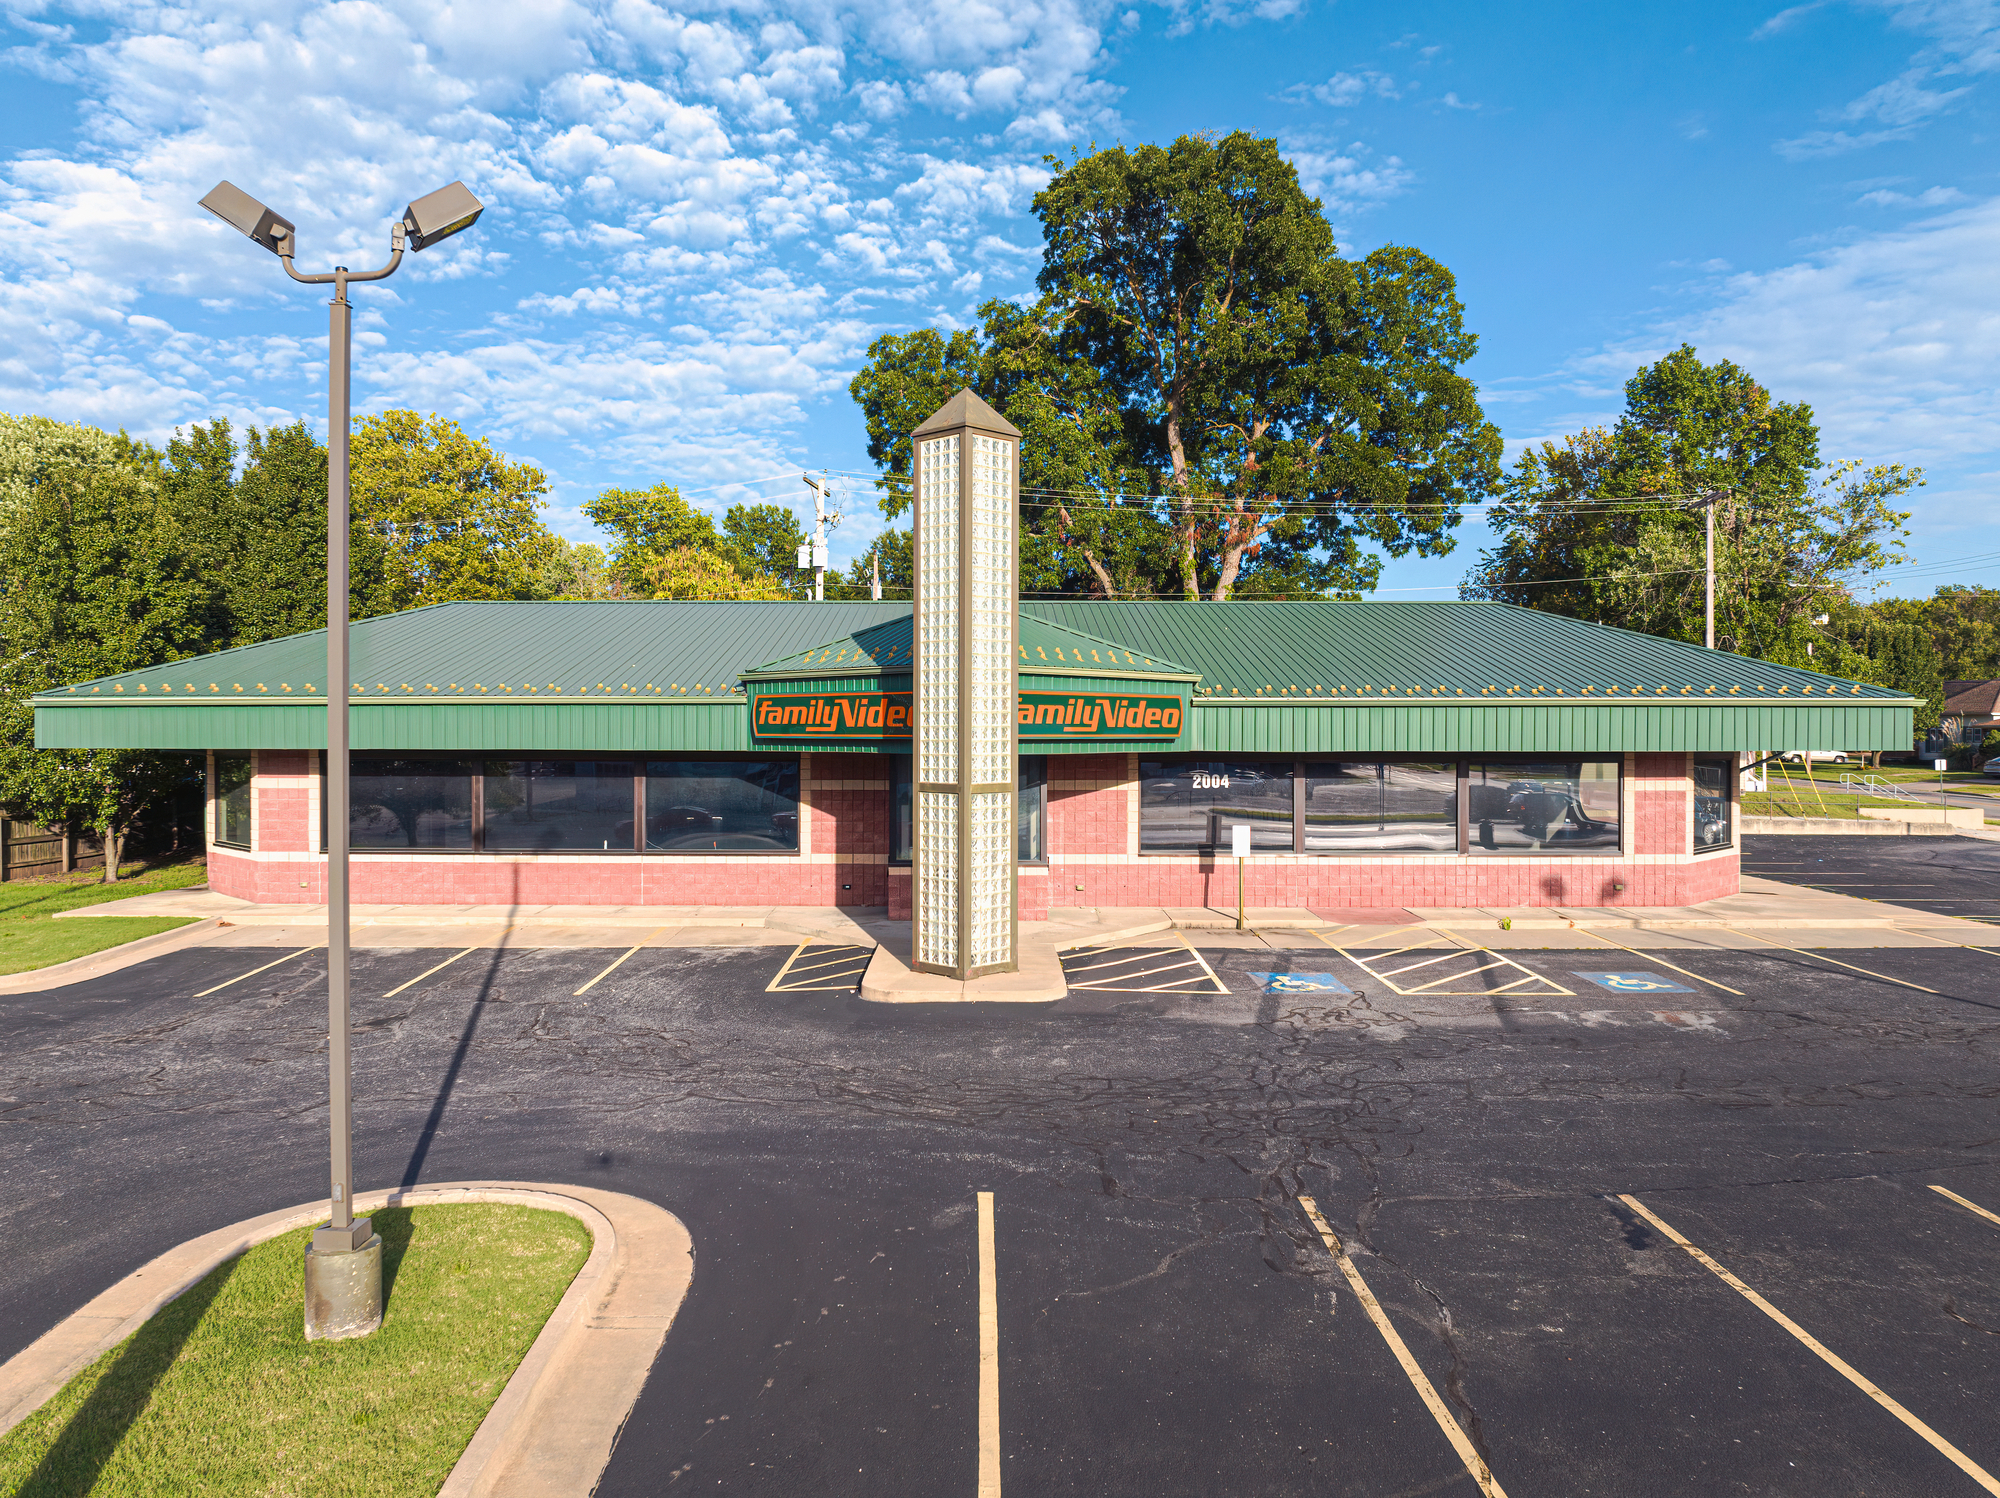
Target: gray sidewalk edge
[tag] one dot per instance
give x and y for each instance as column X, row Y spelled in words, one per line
column 111, row 959
column 554, row 1426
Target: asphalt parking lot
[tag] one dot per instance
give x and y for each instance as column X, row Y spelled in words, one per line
column 1495, row 1140
column 1957, row 876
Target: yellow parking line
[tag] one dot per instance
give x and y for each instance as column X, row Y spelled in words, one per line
column 989, row 1355
column 1865, row 972
column 429, row 970
column 1454, row 1432
column 256, row 970
column 849, row 954
column 1662, row 962
column 1947, row 941
column 1845, row 1369
column 614, row 966
column 1392, row 931
column 1991, row 1217
column 1411, row 967
column 1472, row 972
column 1132, row 954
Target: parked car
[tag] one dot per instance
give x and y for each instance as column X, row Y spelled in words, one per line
column 1814, row 756
column 1991, row 767
column 672, row 822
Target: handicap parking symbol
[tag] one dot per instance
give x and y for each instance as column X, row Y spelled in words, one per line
column 1636, row 983
column 1299, row 983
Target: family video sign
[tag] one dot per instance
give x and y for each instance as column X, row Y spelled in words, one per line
column 878, row 717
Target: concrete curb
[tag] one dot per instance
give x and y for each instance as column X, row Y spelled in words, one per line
column 110, row 960
column 1841, row 827
column 553, row 1428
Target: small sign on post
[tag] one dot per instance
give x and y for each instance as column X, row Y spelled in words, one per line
column 1239, row 847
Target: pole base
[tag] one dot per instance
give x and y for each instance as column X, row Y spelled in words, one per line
column 343, row 1291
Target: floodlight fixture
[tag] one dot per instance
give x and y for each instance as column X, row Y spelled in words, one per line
column 241, row 212
column 441, row 214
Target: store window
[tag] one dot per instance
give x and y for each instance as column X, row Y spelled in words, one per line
column 232, row 800
column 719, row 806
column 1188, row 806
column 1359, row 806
column 1032, row 807
column 410, row 803
column 553, row 804
column 1714, row 780
column 1564, row 806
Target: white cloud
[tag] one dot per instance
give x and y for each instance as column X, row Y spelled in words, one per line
column 1343, row 89
column 1962, row 40
column 1893, row 338
column 698, row 215
column 1350, row 179
column 1930, row 197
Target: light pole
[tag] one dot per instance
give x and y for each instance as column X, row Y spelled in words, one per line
column 344, row 1263
column 1708, row 549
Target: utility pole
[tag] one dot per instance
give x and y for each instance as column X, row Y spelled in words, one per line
column 875, row 571
column 814, row 553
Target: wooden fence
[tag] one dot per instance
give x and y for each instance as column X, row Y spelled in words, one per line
column 31, row 852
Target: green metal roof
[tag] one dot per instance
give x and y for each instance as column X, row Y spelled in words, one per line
column 1374, row 652
column 508, row 651
column 664, row 677
column 1046, row 649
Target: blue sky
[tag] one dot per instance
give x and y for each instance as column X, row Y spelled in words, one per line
column 700, row 216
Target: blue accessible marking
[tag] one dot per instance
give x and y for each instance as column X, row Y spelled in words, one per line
column 1300, row 983
column 1636, row 983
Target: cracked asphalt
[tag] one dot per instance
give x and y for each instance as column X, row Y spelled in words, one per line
column 1169, row 1320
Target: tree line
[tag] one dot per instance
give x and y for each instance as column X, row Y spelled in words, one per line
column 116, row 555
column 1609, row 524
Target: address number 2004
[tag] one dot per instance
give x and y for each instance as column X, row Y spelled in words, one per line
column 1206, row 782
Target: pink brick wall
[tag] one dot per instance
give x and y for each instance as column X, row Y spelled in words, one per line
column 849, row 823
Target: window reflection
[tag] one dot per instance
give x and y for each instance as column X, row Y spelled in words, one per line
column 716, row 805
column 1353, row 806
column 410, row 803
column 1032, row 803
column 1186, row 805
column 558, row 803
column 1712, row 778
column 232, row 800
column 1558, row 807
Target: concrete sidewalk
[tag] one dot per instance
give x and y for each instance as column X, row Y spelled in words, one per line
column 1763, row 905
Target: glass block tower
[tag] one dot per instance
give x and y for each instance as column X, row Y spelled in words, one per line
column 967, row 460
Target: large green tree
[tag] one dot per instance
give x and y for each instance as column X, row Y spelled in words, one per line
column 1212, row 399
column 1609, row 524
column 645, row 523
column 1962, row 621
column 764, row 542
column 454, row 518
column 104, row 575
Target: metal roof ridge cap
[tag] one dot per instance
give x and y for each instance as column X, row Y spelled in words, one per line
column 1575, row 700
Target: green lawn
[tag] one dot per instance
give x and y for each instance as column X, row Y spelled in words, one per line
column 220, row 1393
column 30, row 938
